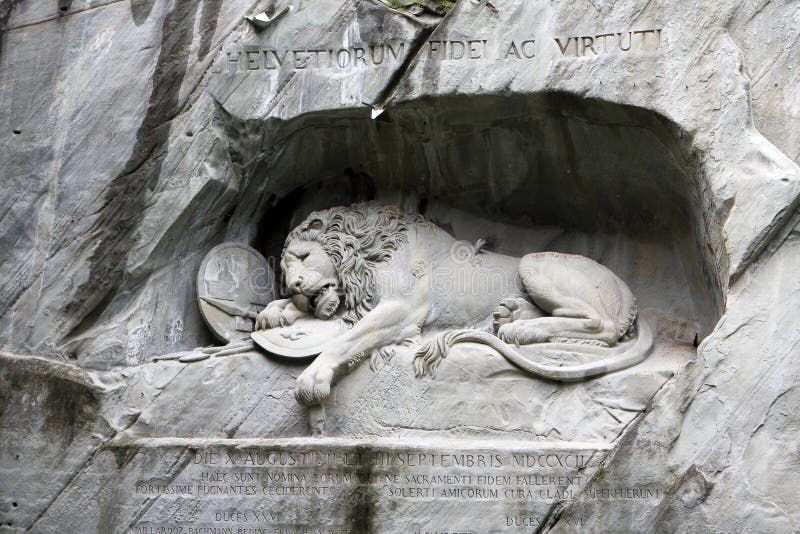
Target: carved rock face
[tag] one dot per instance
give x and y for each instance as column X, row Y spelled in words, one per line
column 562, row 115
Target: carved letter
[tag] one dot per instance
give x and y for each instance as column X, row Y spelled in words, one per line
column 512, row 50
column 252, row 59
column 372, row 54
column 644, row 36
column 474, row 53
column 343, row 57
column 359, row 55
column 564, row 47
column 605, row 37
column 316, row 53
column 400, row 49
column 619, row 41
column 588, row 42
column 453, row 49
column 280, row 59
column 433, row 46
column 525, row 45
column 300, row 59
column 267, row 63
column 233, row 63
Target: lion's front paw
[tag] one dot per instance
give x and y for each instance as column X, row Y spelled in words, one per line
column 278, row 313
column 270, row 317
column 314, row 384
column 267, row 318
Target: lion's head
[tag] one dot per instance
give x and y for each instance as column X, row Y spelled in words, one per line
column 336, row 251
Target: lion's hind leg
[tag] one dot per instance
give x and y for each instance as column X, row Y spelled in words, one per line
column 573, row 320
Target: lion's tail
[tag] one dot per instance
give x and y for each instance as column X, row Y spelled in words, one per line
column 431, row 353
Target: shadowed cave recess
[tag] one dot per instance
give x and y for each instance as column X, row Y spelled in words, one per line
column 546, row 172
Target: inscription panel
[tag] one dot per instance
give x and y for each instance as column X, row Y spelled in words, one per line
column 478, row 48
column 348, row 486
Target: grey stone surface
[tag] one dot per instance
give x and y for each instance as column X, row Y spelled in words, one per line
column 132, row 144
column 743, row 386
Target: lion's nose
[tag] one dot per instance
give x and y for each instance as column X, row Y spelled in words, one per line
column 296, row 285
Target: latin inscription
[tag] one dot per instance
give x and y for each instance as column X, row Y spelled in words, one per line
column 258, row 491
column 604, row 43
column 370, row 55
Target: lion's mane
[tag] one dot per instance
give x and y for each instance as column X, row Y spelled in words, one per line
column 357, row 238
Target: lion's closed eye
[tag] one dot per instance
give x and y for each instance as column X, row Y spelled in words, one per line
column 298, row 254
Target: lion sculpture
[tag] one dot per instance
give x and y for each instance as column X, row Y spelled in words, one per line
column 389, row 276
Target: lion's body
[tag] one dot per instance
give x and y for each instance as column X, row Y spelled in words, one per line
column 456, row 288
column 461, row 288
column 405, row 279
